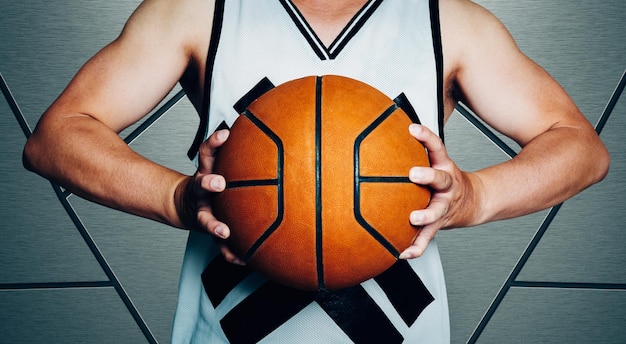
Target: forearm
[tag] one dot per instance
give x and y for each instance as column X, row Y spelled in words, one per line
column 551, row 168
column 86, row 157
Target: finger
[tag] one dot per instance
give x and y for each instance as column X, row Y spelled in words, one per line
column 433, row 143
column 202, row 186
column 207, row 221
column 208, row 149
column 230, row 256
column 435, row 211
column 417, row 249
column 437, row 179
column 212, row 183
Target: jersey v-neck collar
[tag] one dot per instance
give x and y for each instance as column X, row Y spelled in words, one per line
column 349, row 31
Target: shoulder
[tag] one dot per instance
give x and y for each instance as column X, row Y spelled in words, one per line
column 488, row 72
column 472, row 37
column 180, row 29
column 467, row 27
column 465, row 24
column 181, row 24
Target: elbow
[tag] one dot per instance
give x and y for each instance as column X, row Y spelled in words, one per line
column 597, row 160
column 37, row 153
column 40, row 146
column 31, row 155
column 594, row 158
column 602, row 164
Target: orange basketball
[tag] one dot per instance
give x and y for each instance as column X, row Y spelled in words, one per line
column 318, row 195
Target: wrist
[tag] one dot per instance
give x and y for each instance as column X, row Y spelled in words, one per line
column 479, row 213
column 186, row 208
column 471, row 209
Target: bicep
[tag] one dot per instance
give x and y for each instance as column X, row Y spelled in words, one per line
column 506, row 88
column 128, row 77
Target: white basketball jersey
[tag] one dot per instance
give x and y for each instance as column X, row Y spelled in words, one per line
column 393, row 46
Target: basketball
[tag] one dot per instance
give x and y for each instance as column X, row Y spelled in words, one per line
column 318, row 195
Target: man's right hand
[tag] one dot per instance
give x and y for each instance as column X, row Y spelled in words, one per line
column 193, row 195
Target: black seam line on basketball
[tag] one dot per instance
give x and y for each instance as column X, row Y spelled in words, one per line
column 318, row 183
column 384, row 179
column 403, row 102
column 357, row 181
column 251, row 183
column 279, row 186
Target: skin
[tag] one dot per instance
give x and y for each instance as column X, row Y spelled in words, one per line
column 165, row 42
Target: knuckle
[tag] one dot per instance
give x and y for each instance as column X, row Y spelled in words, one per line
column 205, row 219
column 205, row 148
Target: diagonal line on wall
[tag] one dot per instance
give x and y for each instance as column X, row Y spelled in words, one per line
column 14, row 107
column 514, row 273
column 569, row 285
column 55, row 285
column 511, row 279
column 608, row 110
column 63, row 198
column 103, row 263
column 470, row 117
column 154, row 117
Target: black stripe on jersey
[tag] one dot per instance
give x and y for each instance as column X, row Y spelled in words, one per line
column 220, row 277
column 216, row 32
column 410, row 296
column 266, row 309
column 270, row 306
column 352, row 309
column 437, row 46
column 255, row 92
column 349, row 31
column 358, row 315
column 403, row 102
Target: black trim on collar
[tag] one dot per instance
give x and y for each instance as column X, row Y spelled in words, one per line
column 355, row 24
column 305, row 28
column 351, row 29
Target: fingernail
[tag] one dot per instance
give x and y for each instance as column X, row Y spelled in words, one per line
column 414, row 128
column 220, row 232
column 416, row 218
column 238, row 262
column 217, row 183
column 223, row 134
column 415, row 173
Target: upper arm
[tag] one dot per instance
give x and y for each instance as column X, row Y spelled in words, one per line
column 506, row 88
column 128, row 77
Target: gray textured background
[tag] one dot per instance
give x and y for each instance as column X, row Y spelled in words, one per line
column 53, row 289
